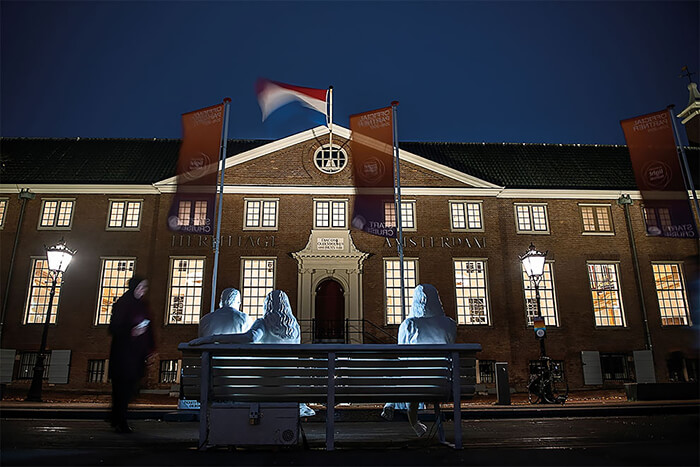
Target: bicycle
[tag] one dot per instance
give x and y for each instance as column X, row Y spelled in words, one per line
column 547, row 383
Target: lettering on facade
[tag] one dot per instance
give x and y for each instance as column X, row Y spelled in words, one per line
column 330, row 243
column 438, row 242
column 227, row 241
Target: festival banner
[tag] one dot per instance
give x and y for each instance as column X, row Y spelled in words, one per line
column 372, row 149
column 192, row 210
column 657, row 170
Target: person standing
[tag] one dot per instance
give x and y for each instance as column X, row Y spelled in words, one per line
column 132, row 345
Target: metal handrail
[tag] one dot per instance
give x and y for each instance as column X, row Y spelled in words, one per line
column 367, row 331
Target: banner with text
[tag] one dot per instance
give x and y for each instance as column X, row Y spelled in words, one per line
column 657, row 170
column 192, row 210
column 372, row 149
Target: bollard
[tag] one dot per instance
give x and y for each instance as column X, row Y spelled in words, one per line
column 502, row 384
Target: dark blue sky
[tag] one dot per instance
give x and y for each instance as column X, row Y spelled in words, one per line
column 555, row 72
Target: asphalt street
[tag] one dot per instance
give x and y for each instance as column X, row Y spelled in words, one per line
column 643, row 439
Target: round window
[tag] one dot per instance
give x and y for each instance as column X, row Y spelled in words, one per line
column 330, row 161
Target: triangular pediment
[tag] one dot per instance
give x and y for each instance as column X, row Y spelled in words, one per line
column 289, row 163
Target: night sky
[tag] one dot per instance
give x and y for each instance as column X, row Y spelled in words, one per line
column 542, row 72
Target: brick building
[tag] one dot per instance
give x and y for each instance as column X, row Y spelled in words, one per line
column 469, row 210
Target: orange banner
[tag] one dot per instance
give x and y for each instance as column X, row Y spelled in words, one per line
column 657, row 170
column 372, row 149
column 192, row 210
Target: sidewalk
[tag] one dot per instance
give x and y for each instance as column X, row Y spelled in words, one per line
column 163, row 407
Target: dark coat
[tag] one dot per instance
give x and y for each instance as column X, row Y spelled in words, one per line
column 127, row 359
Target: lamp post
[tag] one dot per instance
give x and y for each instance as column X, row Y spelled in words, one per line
column 533, row 262
column 59, row 257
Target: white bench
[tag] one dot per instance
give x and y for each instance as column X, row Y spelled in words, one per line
column 328, row 374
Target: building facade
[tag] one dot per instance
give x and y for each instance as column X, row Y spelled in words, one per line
column 468, row 212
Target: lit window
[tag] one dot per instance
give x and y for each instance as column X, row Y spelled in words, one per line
column 670, row 291
column 408, row 217
column 124, row 214
column 114, row 282
column 471, row 290
column 596, row 219
column 96, row 371
column 3, row 210
column 548, row 302
column 531, row 218
column 658, row 220
column 258, row 281
column 168, row 371
column 56, row 214
column 186, row 286
column 39, row 292
column 330, row 214
column 605, row 290
column 466, row 216
column 192, row 213
column 392, row 284
column 330, row 161
column 261, row 214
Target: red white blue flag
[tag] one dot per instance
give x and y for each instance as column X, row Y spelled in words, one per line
column 273, row 95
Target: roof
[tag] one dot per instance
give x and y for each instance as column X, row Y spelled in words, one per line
column 147, row 161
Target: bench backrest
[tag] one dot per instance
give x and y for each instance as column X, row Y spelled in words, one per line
column 356, row 372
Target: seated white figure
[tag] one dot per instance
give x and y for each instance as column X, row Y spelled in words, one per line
column 227, row 319
column 426, row 324
column 277, row 326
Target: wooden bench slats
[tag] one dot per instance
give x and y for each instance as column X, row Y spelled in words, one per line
column 392, row 372
column 268, row 372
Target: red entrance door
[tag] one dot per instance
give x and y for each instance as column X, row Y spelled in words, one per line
column 330, row 311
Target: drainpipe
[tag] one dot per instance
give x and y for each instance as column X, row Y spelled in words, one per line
column 625, row 201
column 24, row 195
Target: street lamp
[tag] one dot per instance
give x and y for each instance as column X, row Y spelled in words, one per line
column 59, row 257
column 533, row 262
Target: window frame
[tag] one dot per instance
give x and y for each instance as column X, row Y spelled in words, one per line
column 101, row 287
column 331, row 202
column 527, row 286
column 168, row 306
column 683, row 291
column 408, row 289
column 73, row 203
column 5, row 203
column 25, row 370
column 56, row 299
column 330, row 149
column 126, row 202
column 597, row 231
column 531, row 218
column 247, row 297
column 174, row 374
column 596, row 317
column 487, row 294
column 491, row 375
column 411, row 204
column 103, row 372
column 465, row 203
column 262, row 201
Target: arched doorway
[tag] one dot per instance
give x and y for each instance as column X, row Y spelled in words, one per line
column 330, row 311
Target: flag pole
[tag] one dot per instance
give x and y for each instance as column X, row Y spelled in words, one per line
column 217, row 238
column 397, row 205
column 687, row 177
column 329, row 121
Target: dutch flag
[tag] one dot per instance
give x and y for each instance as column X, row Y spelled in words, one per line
column 272, row 95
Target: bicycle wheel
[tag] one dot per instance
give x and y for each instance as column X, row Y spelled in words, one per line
column 534, row 390
column 560, row 390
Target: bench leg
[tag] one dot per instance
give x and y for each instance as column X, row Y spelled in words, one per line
column 440, row 426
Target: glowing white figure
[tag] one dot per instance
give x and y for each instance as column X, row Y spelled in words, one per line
column 227, row 319
column 277, row 326
column 426, row 324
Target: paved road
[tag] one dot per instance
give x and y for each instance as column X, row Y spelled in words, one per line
column 621, row 440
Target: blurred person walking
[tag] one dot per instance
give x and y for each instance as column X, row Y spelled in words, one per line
column 132, row 345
